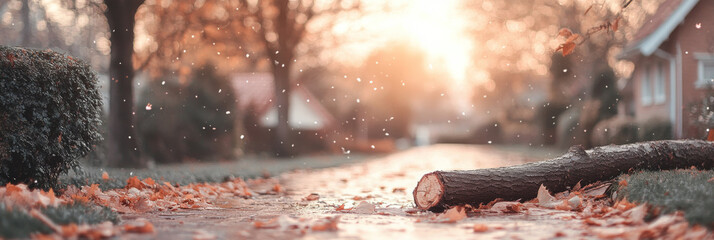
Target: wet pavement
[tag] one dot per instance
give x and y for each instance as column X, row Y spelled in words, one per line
column 378, row 201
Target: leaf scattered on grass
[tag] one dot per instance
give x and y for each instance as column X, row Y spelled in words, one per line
column 20, row 196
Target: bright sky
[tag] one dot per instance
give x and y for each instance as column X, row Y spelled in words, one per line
column 438, row 28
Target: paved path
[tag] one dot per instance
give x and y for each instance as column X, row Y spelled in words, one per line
column 385, row 183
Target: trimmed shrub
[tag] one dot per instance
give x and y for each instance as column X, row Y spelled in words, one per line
column 656, row 129
column 49, row 115
column 195, row 121
column 547, row 118
column 616, row 130
column 569, row 131
column 701, row 114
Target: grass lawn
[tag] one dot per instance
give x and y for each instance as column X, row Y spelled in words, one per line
column 19, row 224
column 691, row 191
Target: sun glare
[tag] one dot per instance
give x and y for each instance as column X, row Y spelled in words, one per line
column 438, row 27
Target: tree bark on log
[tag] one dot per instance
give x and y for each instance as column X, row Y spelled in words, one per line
column 440, row 189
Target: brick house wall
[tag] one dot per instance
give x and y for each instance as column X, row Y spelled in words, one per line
column 669, row 81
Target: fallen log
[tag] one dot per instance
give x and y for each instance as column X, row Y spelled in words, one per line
column 440, row 189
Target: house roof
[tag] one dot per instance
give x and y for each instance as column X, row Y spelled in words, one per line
column 657, row 28
column 254, row 90
column 255, row 93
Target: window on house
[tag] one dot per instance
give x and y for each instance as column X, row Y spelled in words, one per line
column 659, row 93
column 705, row 70
column 646, row 86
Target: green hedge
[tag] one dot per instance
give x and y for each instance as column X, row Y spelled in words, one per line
column 49, row 115
column 194, row 121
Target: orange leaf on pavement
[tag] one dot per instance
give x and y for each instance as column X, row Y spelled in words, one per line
column 452, row 215
column 134, row 182
column 277, row 188
column 272, row 223
column 479, row 228
column 141, row 226
column 330, row 224
column 312, row 197
column 342, row 208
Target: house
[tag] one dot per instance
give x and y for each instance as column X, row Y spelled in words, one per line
column 673, row 54
column 308, row 119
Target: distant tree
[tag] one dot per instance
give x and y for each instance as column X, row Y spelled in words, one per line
column 395, row 81
column 281, row 25
column 41, row 28
column 26, row 23
column 258, row 32
column 123, row 149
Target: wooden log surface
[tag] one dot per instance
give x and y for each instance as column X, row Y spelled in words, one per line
column 440, row 189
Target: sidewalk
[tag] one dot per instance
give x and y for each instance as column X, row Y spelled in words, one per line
column 384, row 183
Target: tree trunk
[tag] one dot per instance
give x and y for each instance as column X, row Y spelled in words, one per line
column 438, row 190
column 281, row 136
column 26, row 24
column 122, row 146
column 282, row 62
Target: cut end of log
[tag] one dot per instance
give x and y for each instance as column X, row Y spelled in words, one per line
column 428, row 191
